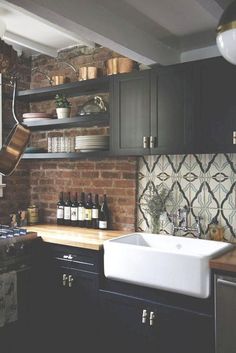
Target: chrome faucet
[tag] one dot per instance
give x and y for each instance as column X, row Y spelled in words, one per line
column 180, row 222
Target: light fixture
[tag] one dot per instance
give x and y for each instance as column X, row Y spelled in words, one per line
column 226, row 34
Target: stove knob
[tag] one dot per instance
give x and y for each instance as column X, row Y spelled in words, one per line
column 11, row 250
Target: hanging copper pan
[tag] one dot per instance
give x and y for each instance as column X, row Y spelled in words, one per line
column 15, row 144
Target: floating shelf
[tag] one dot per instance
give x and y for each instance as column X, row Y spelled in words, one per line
column 70, row 89
column 64, row 155
column 98, row 119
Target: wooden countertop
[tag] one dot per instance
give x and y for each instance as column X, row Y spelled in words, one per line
column 225, row 262
column 73, row 236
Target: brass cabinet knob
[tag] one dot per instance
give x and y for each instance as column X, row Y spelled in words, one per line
column 70, row 280
column 151, row 318
column 144, row 316
column 64, row 279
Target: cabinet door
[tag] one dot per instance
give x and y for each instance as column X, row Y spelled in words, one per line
column 171, row 123
column 180, row 331
column 122, row 329
column 165, row 329
column 130, row 113
column 225, row 314
column 75, row 310
column 215, row 120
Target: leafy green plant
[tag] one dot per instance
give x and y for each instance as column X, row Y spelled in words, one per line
column 61, row 101
column 155, row 204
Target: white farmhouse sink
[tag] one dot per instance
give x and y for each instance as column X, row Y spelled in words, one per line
column 170, row 263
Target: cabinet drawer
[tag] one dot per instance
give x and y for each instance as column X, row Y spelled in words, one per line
column 76, row 258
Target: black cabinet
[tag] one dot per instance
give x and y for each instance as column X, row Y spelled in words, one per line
column 214, row 122
column 72, row 314
column 152, row 111
column 136, row 325
column 131, row 113
column 173, row 95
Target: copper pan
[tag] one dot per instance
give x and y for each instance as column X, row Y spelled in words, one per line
column 15, row 144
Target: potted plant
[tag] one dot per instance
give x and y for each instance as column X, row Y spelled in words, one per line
column 155, row 205
column 63, row 106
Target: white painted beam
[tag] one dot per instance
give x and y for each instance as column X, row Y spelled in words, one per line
column 27, row 43
column 212, row 7
column 97, row 24
column 200, row 53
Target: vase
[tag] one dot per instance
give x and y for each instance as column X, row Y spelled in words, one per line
column 155, row 226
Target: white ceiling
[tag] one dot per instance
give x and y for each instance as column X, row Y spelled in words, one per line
column 149, row 31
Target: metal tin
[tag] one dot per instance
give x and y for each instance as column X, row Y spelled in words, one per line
column 33, row 215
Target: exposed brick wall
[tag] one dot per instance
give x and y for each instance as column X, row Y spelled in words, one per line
column 115, row 177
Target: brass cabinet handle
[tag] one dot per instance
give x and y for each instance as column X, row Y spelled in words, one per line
column 151, row 318
column 70, row 280
column 234, row 137
column 64, row 279
column 144, row 316
column 145, row 141
column 153, row 141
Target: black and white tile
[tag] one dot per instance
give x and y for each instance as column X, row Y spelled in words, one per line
column 205, row 183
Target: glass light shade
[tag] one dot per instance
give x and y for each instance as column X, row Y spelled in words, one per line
column 226, row 43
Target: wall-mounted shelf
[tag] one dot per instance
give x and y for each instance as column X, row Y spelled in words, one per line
column 65, row 155
column 70, row 89
column 99, row 119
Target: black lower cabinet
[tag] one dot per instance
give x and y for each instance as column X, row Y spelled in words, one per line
column 71, row 311
column 134, row 325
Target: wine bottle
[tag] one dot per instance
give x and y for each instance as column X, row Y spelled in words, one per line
column 95, row 212
column 81, row 211
column 60, row 209
column 88, row 211
column 74, row 211
column 104, row 214
column 67, row 207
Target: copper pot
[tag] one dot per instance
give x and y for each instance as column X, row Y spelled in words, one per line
column 13, row 149
column 58, row 80
column 112, row 66
column 125, row 65
column 16, row 142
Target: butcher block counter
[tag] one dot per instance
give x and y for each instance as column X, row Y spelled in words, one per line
column 225, row 262
column 72, row 236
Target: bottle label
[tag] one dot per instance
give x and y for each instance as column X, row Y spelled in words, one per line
column 66, row 212
column 95, row 213
column 88, row 214
column 74, row 213
column 60, row 212
column 81, row 213
column 103, row 224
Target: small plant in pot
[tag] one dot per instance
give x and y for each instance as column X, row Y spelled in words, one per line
column 63, row 106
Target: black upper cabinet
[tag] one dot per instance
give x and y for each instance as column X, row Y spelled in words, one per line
column 130, row 113
column 172, row 93
column 152, row 111
column 215, row 117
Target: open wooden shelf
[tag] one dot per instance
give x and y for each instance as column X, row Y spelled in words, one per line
column 98, row 119
column 65, row 155
column 72, row 89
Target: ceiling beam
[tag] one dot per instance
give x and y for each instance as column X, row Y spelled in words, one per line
column 100, row 25
column 212, row 7
column 27, row 43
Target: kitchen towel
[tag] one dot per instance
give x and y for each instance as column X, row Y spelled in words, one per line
column 8, row 298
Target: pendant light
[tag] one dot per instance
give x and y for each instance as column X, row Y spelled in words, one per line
column 226, row 33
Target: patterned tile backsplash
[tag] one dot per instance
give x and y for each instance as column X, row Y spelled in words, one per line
column 204, row 183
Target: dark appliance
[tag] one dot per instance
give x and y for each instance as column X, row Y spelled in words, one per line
column 18, row 253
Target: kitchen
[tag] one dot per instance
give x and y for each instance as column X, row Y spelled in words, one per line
column 199, row 175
